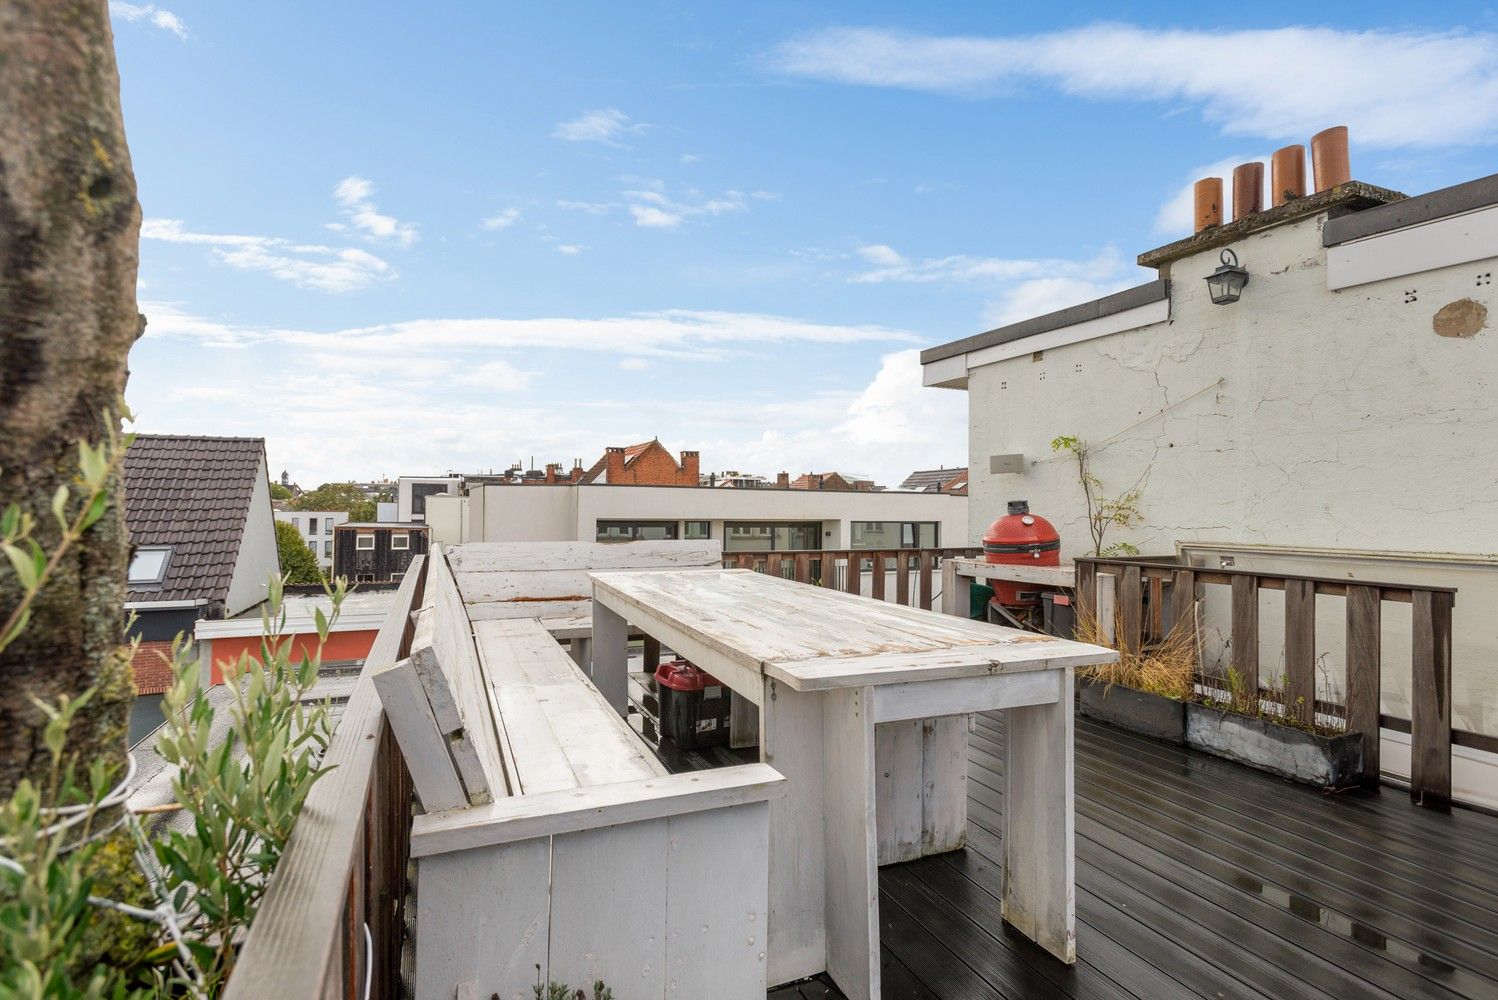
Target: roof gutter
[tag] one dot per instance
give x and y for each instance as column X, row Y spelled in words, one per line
column 166, row 605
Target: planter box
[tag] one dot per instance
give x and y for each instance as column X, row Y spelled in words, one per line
column 1324, row 761
column 1134, row 710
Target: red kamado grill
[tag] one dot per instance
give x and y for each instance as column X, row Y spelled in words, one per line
column 1021, row 538
column 694, row 705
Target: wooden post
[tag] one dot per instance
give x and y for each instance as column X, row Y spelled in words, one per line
column 829, row 570
column 1156, row 629
column 1107, row 608
column 923, row 569
column 1246, row 637
column 772, row 564
column 803, row 567
column 1430, row 704
column 1084, row 595
column 902, row 578
column 1300, row 650
column 853, row 580
column 1364, row 673
column 1183, row 602
column 652, row 654
column 1131, row 609
column 951, row 602
column 876, row 583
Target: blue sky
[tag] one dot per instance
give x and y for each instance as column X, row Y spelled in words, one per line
column 401, row 239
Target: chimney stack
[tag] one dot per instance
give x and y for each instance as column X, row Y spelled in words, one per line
column 1287, row 175
column 691, row 466
column 1248, row 189
column 1208, row 192
column 783, row 480
column 1329, row 160
column 613, row 464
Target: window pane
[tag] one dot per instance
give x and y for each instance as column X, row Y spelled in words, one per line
column 746, row 538
column 327, row 549
column 148, row 564
column 875, row 535
column 311, row 525
column 698, row 529
column 927, row 536
column 636, row 531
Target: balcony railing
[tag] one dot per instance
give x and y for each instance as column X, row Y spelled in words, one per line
column 906, row 576
column 330, row 925
column 1144, row 597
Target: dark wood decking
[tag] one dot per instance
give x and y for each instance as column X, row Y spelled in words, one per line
column 1200, row 878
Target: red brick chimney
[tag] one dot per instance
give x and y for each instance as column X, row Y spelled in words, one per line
column 691, row 463
column 553, row 471
column 613, row 465
column 783, row 480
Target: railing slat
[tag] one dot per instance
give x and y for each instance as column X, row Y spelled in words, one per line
column 876, row 581
column 1183, row 602
column 1430, row 704
column 853, row 578
column 1085, row 594
column 1246, row 637
column 923, row 564
column 1300, row 650
column 803, row 567
column 902, row 578
column 1130, row 609
column 1364, row 680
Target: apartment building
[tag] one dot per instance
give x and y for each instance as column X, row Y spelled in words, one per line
column 316, row 529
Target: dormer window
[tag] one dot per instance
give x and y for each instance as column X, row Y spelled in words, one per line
column 148, row 565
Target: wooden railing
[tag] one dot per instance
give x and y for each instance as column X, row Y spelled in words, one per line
column 1144, row 598
column 330, row 925
column 914, row 571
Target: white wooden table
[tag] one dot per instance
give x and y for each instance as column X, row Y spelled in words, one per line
column 832, row 673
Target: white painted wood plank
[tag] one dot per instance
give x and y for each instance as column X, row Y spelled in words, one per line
column 791, row 742
column 609, row 670
column 743, row 721
column 423, row 747
column 1107, row 607
column 483, row 917
column 954, row 597
column 944, row 784
column 608, row 908
column 852, row 851
column 742, row 675
column 717, row 912
column 525, row 816
column 504, row 557
column 1050, row 576
column 1039, row 825
column 965, row 695
column 900, row 803
column 531, row 609
column 1043, row 654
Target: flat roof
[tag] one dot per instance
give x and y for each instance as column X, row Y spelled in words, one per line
column 1129, row 298
column 363, row 610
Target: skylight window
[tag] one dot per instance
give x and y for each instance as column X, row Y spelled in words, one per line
column 149, row 564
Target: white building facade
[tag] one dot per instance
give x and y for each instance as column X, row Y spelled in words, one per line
column 316, row 528
column 1337, row 420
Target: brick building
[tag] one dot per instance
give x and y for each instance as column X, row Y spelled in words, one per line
column 846, row 483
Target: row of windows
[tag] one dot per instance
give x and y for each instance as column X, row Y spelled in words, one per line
column 327, row 547
column 364, row 541
column 296, row 523
column 790, row 536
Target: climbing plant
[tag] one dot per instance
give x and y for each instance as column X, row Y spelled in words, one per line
column 1103, row 512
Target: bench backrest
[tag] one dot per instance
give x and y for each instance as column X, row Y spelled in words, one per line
column 550, row 579
column 439, row 703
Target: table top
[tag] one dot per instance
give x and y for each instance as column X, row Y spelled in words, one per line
column 813, row 638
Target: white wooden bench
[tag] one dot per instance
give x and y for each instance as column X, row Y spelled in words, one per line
column 553, row 838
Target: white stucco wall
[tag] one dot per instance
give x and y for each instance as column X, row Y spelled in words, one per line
column 1298, row 417
column 257, row 558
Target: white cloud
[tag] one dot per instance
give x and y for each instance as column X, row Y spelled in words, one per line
column 605, row 125
column 653, row 209
column 570, row 249
column 503, row 220
column 163, row 19
column 355, row 195
column 651, row 217
column 313, row 266
column 591, row 207
column 499, row 376
column 1393, row 88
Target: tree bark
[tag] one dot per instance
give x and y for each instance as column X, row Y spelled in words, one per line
column 69, row 241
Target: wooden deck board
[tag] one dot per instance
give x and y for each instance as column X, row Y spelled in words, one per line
column 1200, row 878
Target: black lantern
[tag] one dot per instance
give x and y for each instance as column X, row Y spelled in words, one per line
column 1226, row 283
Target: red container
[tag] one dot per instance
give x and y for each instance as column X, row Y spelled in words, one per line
column 694, row 706
column 1020, row 538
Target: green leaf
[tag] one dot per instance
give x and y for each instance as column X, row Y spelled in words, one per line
column 60, row 507
column 20, row 561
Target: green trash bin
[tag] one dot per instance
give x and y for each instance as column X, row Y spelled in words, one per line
column 978, row 596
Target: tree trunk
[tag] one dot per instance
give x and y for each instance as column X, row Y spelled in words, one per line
column 69, row 239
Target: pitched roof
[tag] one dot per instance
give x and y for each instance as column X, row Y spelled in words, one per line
column 928, row 479
column 192, row 493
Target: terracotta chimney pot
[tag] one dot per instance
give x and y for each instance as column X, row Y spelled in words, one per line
column 1287, row 175
column 1208, row 194
column 1329, row 159
column 1248, row 189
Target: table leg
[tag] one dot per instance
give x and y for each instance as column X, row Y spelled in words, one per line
column 790, row 741
column 1039, row 824
column 850, row 834
column 582, row 654
column 944, row 784
column 610, row 656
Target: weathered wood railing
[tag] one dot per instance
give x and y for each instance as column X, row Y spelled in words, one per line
column 330, row 925
column 914, row 570
column 1147, row 596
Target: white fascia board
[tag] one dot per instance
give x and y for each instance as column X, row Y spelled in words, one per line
column 1458, row 239
column 948, row 373
column 1104, row 326
column 165, row 605
column 241, row 627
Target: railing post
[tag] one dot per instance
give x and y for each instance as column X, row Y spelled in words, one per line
column 1131, row 608
column 902, row 578
column 1364, row 670
column 652, row 654
column 829, row 569
column 876, row 582
column 951, row 601
column 1300, row 650
column 853, row 581
column 1107, row 608
column 803, row 567
column 1246, row 638
column 772, row 564
column 923, row 568
column 1084, row 594
column 1183, row 604
column 1430, row 704
column 1155, row 631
